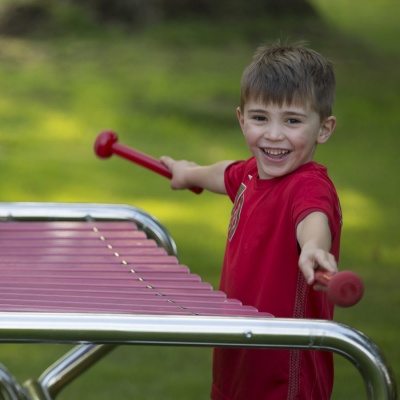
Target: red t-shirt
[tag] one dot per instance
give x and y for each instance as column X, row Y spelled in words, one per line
column 261, row 269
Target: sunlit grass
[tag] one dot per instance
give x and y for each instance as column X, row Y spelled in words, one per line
column 361, row 212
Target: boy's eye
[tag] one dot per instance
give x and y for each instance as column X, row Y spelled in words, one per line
column 259, row 118
column 293, row 121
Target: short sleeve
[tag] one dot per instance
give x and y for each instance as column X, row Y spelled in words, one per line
column 235, row 174
column 311, row 195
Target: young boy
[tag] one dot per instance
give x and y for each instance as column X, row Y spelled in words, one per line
column 285, row 222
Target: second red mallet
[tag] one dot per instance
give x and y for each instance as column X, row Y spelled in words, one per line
column 344, row 288
column 107, row 144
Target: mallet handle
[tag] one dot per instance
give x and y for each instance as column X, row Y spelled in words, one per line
column 141, row 159
column 323, row 277
column 107, row 144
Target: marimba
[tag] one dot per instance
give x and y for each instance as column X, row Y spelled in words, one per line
column 103, row 275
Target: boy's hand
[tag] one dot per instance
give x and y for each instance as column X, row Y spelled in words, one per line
column 312, row 258
column 178, row 170
column 186, row 174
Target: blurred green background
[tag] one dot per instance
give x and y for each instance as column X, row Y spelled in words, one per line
column 169, row 84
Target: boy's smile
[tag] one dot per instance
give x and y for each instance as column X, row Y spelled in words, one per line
column 282, row 138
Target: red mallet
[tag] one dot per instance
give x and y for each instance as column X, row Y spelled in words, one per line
column 344, row 288
column 107, row 144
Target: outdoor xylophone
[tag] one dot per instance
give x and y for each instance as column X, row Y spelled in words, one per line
column 104, row 275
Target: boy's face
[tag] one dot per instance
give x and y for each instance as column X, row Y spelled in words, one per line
column 282, row 138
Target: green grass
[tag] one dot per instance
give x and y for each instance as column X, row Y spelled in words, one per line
column 173, row 89
column 375, row 23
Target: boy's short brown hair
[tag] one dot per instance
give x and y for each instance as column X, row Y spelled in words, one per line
column 292, row 74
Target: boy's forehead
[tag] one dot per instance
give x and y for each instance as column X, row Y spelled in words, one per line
column 304, row 106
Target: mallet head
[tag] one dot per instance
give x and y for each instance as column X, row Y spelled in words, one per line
column 104, row 143
column 345, row 289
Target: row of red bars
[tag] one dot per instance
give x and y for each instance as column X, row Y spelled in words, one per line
column 100, row 267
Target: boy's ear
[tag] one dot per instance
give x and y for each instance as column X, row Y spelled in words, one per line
column 326, row 129
column 240, row 117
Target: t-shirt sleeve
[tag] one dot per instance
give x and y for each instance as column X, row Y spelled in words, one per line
column 316, row 195
column 233, row 177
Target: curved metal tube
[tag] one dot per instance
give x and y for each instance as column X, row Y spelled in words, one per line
column 206, row 331
column 10, row 389
column 71, row 366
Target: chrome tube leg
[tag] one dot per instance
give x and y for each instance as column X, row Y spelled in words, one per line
column 66, row 369
column 10, row 389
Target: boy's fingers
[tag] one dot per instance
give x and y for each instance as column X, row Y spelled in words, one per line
column 326, row 261
column 166, row 160
column 322, row 260
column 163, row 159
column 320, row 288
column 308, row 271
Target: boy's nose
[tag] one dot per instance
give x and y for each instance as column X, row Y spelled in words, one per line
column 273, row 132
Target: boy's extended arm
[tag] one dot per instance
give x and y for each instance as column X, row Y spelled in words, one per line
column 314, row 238
column 186, row 174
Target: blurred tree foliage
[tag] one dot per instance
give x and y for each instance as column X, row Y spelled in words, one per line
column 23, row 17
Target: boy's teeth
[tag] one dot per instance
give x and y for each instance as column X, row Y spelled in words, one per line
column 276, row 152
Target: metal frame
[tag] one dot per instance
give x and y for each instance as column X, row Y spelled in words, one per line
column 97, row 334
